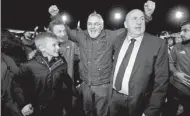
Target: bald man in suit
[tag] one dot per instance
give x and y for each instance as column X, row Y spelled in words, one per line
column 140, row 73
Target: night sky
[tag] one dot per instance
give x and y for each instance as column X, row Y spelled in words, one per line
column 26, row 14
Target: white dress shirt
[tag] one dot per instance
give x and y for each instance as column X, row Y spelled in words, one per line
column 129, row 68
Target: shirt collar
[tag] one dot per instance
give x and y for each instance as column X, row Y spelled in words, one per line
column 138, row 39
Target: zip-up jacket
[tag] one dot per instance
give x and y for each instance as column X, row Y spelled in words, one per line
column 44, row 83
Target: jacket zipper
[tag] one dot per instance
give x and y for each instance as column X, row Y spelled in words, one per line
column 50, row 75
column 47, row 65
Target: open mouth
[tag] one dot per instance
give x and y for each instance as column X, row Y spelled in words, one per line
column 138, row 28
column 93, row 31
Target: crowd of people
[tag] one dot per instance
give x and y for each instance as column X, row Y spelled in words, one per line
column 96, row 72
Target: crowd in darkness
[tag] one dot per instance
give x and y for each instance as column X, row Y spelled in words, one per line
column 96, row 72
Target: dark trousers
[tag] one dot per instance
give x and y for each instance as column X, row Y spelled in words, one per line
column 49, row 111
column 118, row 104
column 58, row 106
column 176, row 97
column 95, row 99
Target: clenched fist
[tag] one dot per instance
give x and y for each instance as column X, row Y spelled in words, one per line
column 53, row 10
column 27, row 110
column 149, row 7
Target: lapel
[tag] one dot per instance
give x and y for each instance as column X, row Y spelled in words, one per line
column 141, row 53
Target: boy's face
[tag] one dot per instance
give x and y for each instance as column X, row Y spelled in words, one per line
column 51, row 47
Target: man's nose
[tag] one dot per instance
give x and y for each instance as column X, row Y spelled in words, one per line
column 62, row 33
column 92, row 26
column 139, row 22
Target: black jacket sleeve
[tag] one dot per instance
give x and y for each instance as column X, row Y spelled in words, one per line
column 19, row 82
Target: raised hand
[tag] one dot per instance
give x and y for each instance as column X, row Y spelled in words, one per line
column 53, row 10
column 149, row 7
column 27, row 110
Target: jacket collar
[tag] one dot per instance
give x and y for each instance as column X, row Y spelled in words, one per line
column 43, row 60
column 39, row 58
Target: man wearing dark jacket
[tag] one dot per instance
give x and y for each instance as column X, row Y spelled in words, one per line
column 47, row 87
column 67, row 47
column 96, row 57
column 179, row 89
column 8, row 70
column 140, row 70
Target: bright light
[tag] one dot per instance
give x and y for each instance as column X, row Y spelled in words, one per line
column 64, row 18
column 117, row 16
column 179, row 14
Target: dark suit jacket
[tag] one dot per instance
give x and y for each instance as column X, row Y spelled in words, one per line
column 149, row 78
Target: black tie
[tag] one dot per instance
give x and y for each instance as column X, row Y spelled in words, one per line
column 123, row 66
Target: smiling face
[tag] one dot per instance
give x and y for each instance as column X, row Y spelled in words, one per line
column 135, row 23
column 51, row 47
column 59, row 31
column 94, row 26
column 47, row 44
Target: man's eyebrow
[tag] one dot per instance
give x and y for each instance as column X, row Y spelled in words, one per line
column 142, row 17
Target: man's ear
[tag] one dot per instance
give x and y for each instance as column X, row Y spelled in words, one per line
column 102, row 27
column 41, row 48
column 125, row 24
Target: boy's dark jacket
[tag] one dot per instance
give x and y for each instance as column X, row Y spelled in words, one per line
column 44, row 83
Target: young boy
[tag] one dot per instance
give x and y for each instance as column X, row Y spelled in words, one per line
column 46, row 85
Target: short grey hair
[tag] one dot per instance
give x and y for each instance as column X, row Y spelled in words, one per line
column 97, row 15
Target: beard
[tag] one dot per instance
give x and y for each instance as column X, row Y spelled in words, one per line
column 93, row 34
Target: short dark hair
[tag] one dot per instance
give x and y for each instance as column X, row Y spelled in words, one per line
column 53, row 23
column 163, row 33
column 185, row 23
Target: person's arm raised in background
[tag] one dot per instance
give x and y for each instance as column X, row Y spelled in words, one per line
column 149, row 8
column 72, row 33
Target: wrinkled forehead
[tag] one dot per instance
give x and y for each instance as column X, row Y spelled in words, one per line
column 94, row 19
column 135, row 13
